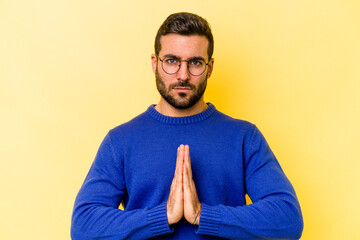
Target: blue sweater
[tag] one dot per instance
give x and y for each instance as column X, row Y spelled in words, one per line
column 135, row 165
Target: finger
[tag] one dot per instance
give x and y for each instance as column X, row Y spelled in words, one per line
column 180, row 163
column 187, row 161
column 177, row 162
column 186, row 179
column 186, row 185
column 176, row 174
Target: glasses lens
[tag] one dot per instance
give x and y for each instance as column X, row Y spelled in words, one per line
column 171, row 65
column 197, row 67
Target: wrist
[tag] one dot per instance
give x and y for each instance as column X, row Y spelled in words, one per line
column 197, row 217
column 171, row 220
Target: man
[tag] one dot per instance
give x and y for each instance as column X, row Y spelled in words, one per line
column 182, row 168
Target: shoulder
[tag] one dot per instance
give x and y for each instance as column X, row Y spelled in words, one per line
column 234, row 124
column 130, row 127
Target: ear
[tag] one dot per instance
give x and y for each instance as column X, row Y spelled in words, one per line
column 211, row 67
column 153, row 62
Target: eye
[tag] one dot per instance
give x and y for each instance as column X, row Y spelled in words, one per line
column 196, row 63
column 171, row 61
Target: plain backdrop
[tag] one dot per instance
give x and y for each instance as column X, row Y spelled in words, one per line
column 72, row 70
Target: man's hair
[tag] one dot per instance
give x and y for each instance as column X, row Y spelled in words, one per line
column 184, row 23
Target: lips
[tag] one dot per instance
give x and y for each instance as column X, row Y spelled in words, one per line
column 182, row 88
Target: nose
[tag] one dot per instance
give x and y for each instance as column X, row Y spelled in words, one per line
column 183, row 73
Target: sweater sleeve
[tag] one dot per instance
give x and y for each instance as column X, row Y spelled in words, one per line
column 275, row 212
column 96, row 214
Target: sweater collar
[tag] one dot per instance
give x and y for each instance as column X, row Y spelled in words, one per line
column 181, row 120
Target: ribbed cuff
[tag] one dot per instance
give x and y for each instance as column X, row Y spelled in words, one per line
column 209, row 220
column 157, row 218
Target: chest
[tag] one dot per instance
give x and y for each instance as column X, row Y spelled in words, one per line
column 217, row 171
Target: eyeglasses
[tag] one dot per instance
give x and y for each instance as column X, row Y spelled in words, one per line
column 171, row 65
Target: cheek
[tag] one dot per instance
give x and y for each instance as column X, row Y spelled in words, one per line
column 167, row 80
column 161, row 82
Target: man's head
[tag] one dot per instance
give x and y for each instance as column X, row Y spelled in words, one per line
column 186, row 24
column 185, row 43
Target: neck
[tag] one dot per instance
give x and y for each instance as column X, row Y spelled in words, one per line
column 166, row 109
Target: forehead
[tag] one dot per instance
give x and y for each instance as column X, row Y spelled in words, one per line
column 184, row 46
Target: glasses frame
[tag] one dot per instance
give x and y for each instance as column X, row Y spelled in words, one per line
column 180, row 61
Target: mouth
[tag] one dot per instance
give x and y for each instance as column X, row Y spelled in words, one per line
column 182, row 88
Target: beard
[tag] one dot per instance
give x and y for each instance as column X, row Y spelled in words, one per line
column 183, row 100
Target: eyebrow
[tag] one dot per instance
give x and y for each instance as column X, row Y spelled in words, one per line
column 191, row 58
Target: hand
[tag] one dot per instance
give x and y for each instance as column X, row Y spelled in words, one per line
column 175, row 202
column 192, row 204
column 183, row 199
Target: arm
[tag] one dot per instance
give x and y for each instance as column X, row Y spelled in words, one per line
column 275, row 212
column 96, row 214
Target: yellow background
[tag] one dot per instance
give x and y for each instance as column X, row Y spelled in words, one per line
column 71, row 70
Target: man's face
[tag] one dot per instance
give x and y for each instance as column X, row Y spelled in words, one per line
column 182, row 90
